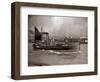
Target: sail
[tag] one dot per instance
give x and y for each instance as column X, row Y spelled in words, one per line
column 38, row 35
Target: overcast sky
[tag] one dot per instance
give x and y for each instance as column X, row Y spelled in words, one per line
column 59, row 26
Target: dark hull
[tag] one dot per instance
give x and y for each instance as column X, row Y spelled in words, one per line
column 54, row 47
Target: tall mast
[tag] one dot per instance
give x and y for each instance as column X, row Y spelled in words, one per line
column 41, row 29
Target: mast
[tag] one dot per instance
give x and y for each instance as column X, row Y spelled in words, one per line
column 41, row 29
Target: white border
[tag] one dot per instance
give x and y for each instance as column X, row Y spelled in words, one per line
column 25, row 70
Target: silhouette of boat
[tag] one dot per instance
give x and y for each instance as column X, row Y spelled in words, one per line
column 42, row 41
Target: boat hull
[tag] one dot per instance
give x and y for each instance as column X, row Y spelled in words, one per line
column 54, row 47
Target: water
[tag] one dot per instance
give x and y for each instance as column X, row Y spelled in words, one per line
column 57, row 57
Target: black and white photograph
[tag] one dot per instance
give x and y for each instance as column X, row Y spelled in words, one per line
column 57, row 40
column 53, row 40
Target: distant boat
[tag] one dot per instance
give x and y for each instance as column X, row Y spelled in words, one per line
column 43, row 42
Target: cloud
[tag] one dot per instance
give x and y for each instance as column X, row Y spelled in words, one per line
column 60, row 26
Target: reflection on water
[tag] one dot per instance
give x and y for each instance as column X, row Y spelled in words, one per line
column 57, row 57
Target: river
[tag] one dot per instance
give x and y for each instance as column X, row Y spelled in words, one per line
column 57, row 57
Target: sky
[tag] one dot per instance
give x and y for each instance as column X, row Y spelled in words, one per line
column 59, row 26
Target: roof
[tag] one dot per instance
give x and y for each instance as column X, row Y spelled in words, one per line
column 44, row 32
